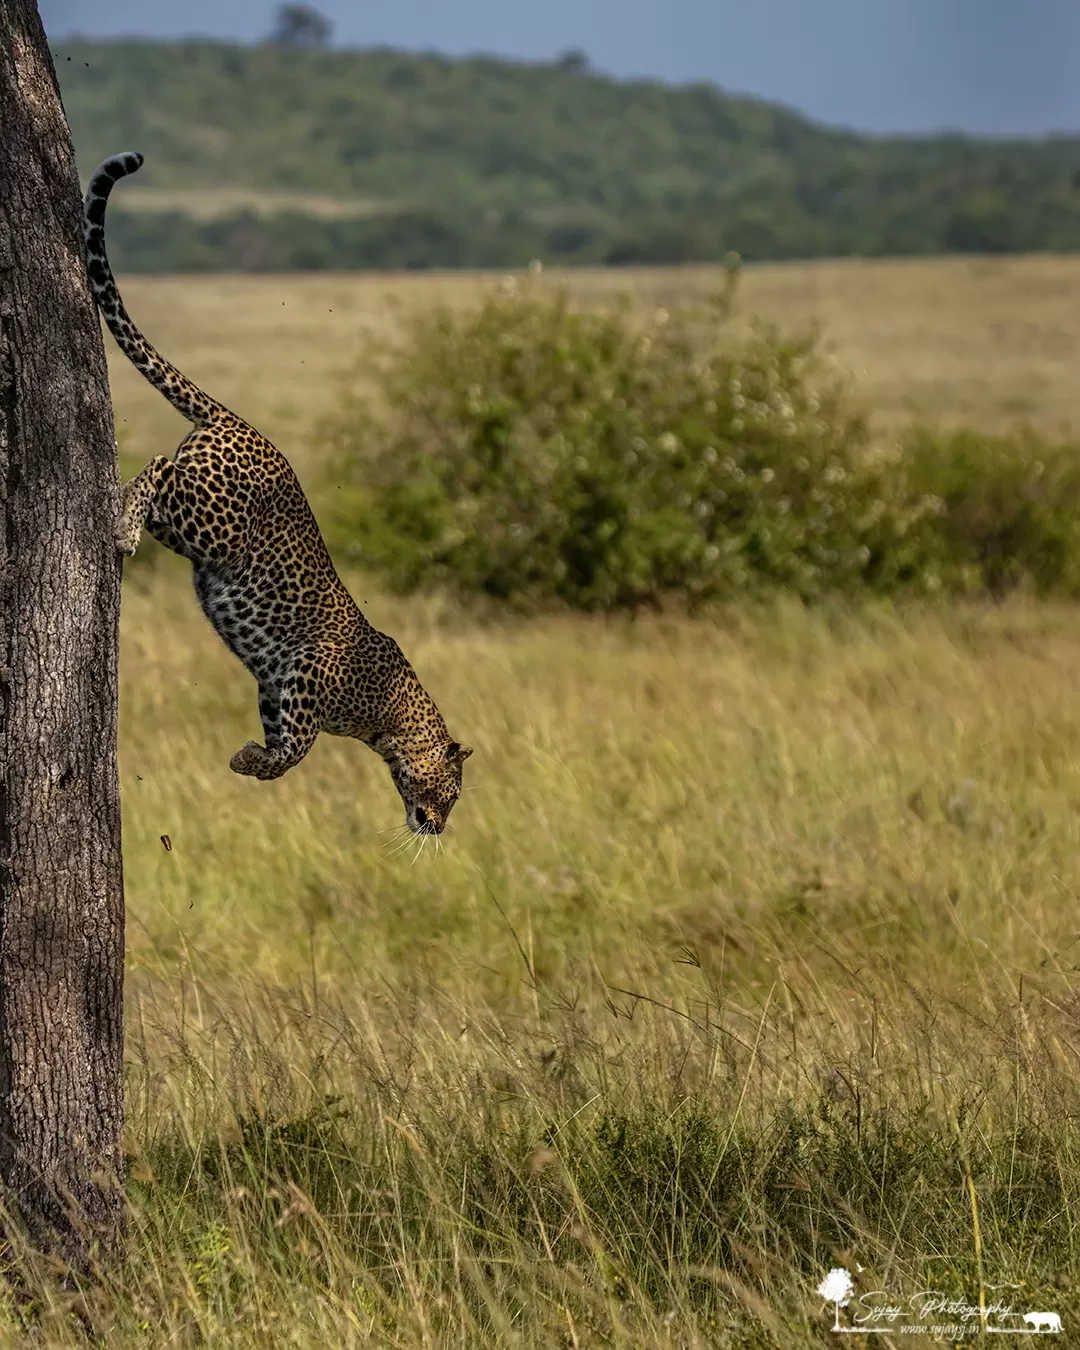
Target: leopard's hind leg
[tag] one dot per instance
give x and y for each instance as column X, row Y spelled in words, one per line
column 197, row 504
column 137, row 501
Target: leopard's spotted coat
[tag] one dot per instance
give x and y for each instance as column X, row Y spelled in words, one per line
column 231, row 504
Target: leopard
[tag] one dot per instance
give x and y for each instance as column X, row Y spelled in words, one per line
column 230, row 503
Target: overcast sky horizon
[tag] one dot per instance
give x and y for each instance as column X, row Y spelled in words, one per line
column 987, row 67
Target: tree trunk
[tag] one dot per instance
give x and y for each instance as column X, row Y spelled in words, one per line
column 61, row 887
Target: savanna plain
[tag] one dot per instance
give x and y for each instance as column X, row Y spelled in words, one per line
column 752, row 949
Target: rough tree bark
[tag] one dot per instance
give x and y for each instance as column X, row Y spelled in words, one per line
column 61, row 889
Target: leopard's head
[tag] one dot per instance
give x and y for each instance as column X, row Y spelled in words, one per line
column 428, row 779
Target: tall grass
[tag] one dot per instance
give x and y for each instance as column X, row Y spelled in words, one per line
column 752, row 944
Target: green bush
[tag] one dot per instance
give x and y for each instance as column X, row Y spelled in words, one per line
column 1007, row 515
column 605, row 459
column 534, row 453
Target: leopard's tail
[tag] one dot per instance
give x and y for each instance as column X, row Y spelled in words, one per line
column 186, row 398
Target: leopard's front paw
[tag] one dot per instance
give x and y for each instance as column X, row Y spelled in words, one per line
column 251, row 760
column 126, row 541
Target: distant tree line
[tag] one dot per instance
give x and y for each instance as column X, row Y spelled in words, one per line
column 479, row 162
column 155, row 241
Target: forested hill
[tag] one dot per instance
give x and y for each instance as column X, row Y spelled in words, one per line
column 323, row 158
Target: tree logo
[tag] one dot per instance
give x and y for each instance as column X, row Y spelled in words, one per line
column 837, row 1288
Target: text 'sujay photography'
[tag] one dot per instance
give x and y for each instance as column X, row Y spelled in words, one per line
column 539, row 674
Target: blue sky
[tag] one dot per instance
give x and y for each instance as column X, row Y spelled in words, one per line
column 1002, row 67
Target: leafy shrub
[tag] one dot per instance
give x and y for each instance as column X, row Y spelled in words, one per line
column 1007, row 515
column 534, row 453
column 538, row 454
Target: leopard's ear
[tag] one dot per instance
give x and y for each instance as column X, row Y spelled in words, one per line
column 456, row 753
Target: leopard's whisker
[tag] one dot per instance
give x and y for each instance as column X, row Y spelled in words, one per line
column 399, row 845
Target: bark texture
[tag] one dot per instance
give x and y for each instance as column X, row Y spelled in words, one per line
column 61, row 888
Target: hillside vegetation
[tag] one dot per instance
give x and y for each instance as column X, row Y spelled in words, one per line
column 484, row 162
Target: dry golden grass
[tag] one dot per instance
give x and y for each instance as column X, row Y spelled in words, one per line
column 787, row 899
column 657, row 782
column 978, row 341
column 754, row 944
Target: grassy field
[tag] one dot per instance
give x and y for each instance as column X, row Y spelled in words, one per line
column 984, row 342
column 752, row 953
